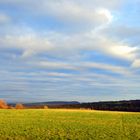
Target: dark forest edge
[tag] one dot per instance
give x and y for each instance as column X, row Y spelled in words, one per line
column 129, row 106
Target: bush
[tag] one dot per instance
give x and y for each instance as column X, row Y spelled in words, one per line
column 3, row 104
column 45, row 107
column 19, row 106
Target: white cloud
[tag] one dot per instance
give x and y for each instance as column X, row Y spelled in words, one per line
column 56, row 65
column 70, row 11
column 93, row 12
column 64, row 45
column 71, row 61
column 90, row 12
column 81, row 66
column 58, row 74
column 111, row 68
column 28, row 43
column 124, row 51
column 136, row 63
column 95, row 41
column 106, row 13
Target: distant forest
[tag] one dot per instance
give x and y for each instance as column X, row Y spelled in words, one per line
column 130, row 106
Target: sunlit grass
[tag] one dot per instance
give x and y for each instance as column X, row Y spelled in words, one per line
column 68, row 124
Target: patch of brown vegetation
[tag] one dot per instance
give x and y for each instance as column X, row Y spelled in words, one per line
column 3, row 104
column 45, row 107
column 19, row 106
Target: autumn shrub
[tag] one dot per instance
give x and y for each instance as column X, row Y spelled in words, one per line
column 45, row 107
column 19, row 106
column 3, row 104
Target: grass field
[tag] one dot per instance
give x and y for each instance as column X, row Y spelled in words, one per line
column 68, row 124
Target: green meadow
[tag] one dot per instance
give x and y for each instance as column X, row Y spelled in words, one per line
column 59, row 124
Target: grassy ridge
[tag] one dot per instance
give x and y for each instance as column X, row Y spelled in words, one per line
column 68, row 124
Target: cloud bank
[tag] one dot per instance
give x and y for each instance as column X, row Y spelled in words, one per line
column 69, row 50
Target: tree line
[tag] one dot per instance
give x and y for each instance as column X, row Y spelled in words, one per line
column 129, row 106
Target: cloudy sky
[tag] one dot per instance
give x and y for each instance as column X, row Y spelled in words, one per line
column 69, row 50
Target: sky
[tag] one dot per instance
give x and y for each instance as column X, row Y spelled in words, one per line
column 69, row 50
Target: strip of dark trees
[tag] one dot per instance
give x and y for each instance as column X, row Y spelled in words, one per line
column 129, row 106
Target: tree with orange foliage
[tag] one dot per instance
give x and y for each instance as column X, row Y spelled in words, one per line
column 19, row 106
column 3, row 104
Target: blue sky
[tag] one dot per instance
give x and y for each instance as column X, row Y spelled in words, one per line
column 69, row 50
